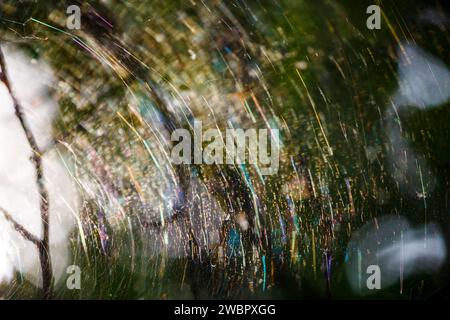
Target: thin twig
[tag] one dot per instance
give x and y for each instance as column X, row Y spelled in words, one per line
column 19, row 228
column 43, row 244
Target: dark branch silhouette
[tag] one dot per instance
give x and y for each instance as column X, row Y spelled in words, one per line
column 43, row 244
column 19, row 228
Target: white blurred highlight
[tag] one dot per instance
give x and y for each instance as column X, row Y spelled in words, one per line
column 424, row 80
column 19, row 195
column 424, row 83
column 397, row 248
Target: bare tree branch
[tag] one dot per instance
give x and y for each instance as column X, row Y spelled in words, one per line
column 19, row 228
column 43, row 244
